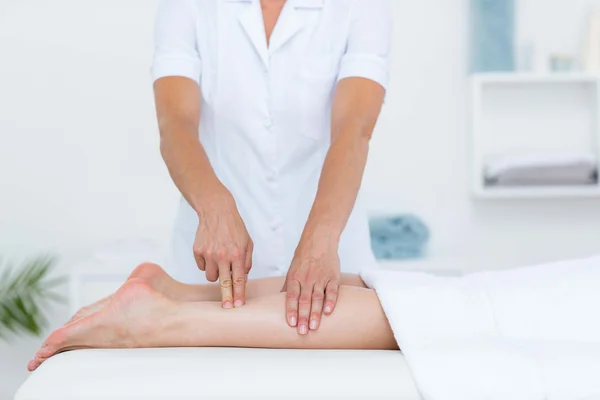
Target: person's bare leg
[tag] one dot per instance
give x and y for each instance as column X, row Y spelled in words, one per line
column 139, row 316
column 162, row 282
column 175, row 290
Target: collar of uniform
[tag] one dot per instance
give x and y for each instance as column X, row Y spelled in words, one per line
column 297, row 3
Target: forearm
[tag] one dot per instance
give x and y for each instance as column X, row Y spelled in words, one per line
column 188, row 163
column 340, row 182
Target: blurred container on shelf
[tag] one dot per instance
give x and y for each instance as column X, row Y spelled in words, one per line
column 492, row 35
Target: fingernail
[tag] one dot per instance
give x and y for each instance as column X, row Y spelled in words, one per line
column 313, row 324
column 327, row 309
column 293, row 321
column 303, row 330
column 238, row 303
column 227, row 304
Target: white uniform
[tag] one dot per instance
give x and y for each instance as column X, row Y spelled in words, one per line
column 266, row 111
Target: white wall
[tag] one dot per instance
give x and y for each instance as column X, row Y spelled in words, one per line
column 420, row 155
column 79, row 150
column 79, row 160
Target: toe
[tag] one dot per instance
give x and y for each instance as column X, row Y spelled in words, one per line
column 55, row 341
column 68, row 336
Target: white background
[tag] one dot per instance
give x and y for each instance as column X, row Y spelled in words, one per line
column 80, row 165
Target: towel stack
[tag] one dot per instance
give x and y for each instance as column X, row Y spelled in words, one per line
column 398, row 237
column 541, row 169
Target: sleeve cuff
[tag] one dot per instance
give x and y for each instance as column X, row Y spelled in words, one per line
column 365, row 66
column 185, row 66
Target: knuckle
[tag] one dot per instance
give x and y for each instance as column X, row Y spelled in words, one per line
column 292, row 295
column 235, row 253
column 304, row 301
column 221, row 255
column 239, row 282
column 198, row 250
column 315, row 315
column 208, row 253
column 226, row 283
column 318, row 296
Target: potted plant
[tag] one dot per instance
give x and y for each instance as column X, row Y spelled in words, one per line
column 25, row 294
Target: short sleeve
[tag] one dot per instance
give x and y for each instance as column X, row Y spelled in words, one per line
column 176, row 43
column 369, row 42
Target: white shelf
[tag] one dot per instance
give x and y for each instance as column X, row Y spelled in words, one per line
column 557, row 192
column 524, row 78
column 525, row 111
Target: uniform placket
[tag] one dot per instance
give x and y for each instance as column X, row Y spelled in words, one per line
column 273, row 178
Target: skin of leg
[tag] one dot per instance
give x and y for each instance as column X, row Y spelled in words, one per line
column 175, row 290
column 358, row 322
column 161, row 281
column 138, row 316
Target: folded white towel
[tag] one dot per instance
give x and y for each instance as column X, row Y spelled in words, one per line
column 530, row 333
column 541, row 168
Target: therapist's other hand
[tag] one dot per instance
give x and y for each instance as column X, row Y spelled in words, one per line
column 312, row 281
column 223, row 248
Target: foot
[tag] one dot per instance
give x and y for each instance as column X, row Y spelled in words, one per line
column 130, row 319
column 149, row 272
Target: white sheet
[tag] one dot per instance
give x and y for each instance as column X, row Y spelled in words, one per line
column 531, row 333
column 208, row 373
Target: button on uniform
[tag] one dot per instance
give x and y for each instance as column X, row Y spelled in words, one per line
column 275, row 224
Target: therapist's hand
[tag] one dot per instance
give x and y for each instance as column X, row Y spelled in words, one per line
column 223, row 248
column 312, row 281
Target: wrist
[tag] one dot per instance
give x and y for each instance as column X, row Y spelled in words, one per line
column 319, row 237
column 324, row 228
column 216, row 196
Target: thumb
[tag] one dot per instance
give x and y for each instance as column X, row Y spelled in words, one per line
column 284, row 288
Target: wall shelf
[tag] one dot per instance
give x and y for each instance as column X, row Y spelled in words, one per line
column 520, row 78
column 525, row 111
column 539, row 192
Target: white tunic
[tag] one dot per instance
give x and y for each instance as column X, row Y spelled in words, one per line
column 266, row 111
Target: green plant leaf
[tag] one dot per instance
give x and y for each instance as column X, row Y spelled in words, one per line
column 24, row 293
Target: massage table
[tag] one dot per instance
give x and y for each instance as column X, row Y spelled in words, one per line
column 217, row 373
column 207, row 373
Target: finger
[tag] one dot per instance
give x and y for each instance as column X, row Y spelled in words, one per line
column 304, row 303
column 318, row 296
column 212, row 270
column 200, row 261
column 249, row 252
column 226, row 284
column 239, row 284
column 291, row 305
column 331, row 295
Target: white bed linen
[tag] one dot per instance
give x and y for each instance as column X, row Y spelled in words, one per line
column 210, row 373
column 524, row 334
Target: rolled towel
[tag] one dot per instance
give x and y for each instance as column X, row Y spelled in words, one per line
column 398, row 237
